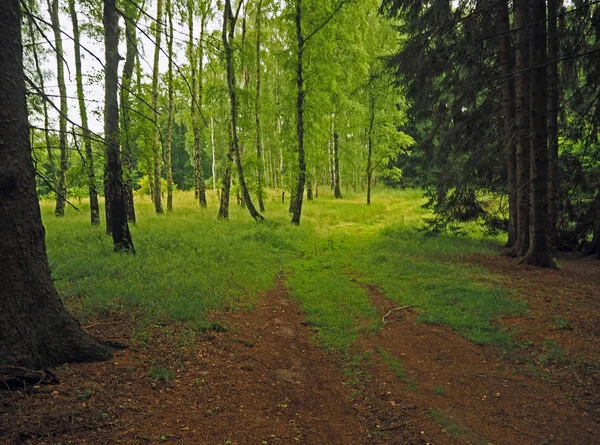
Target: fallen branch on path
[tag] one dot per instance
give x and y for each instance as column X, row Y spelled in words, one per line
column 393, row 310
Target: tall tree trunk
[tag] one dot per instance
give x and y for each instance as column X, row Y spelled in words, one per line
column 594, row 247
column 35, row 329
column 199, row 188
column 201, row 183
column 132, row 16
column 296, row 200
column 119, row 227
column 553, row 108
column 226, row 181
column 229, row 21
column 157, row 145
column 336, row 165
column 50, row 167
column 508, row 102
column 214, row 160
column 522, row 107
column 539, row 253
column 370, row 146
column 171, row 112
column 87, row 141
column 61, row 187
column 260, row 166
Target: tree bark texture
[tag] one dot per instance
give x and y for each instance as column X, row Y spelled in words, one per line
column 195, row 105
column 201, row 183
column 336, row 165
column 229, row 26
column 61, row 186
column 260, row 167
column 157, row 145
column 119, row 227
column 87, row 136
column 35, row 329
column 522, row 108
column 296, row 200
column 553, row 109
column 132, row 17
column 171, row 111
column 370, row 146
column 539, row 253
column 507, row 65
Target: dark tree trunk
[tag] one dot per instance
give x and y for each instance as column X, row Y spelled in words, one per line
column 61, row 187
column 336, row 165
column 594, row 247
column 35, row 329
column 539, row 253
column 370, row 146
column 297, row 198
column 508, row 101
column 553, row 108
column 522, row 107
column 87, row 141
column 309, row 190
column 119, row 228
column 260, row 167
column 157, row 145
column 229, row 21
column 127, row 146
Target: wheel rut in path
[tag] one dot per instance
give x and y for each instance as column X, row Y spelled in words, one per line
column 468, row 394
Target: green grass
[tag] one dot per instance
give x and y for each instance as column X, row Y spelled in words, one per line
column 188, row 263
column 394, row 364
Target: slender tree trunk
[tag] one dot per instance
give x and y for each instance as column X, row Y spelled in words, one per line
column 230, row 20
column 201, row 183
column 199, row 188
column 336, row 166
column 594, row 247
column 35, row 329
column 157, row 145
column 171, row 111
column 119, row 227
column 509, row 111
column 61, row 187
column 132, row 17
column 260, row 166
column 522, row 107
column 539, row 253
column 370, row 146
column 296, row 206
column 50, row 167
column 214, row 160
column 226, row 182
column 87, row 141
column 553, row 108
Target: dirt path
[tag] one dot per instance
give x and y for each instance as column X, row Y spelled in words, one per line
column 264, row 381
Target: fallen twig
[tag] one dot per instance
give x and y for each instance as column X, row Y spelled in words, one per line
column 393, row 310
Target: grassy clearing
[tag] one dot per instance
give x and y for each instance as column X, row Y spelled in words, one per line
column 188, row 263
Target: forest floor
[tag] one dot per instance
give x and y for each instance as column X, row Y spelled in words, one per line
column 264, row 381
column 262, row 374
